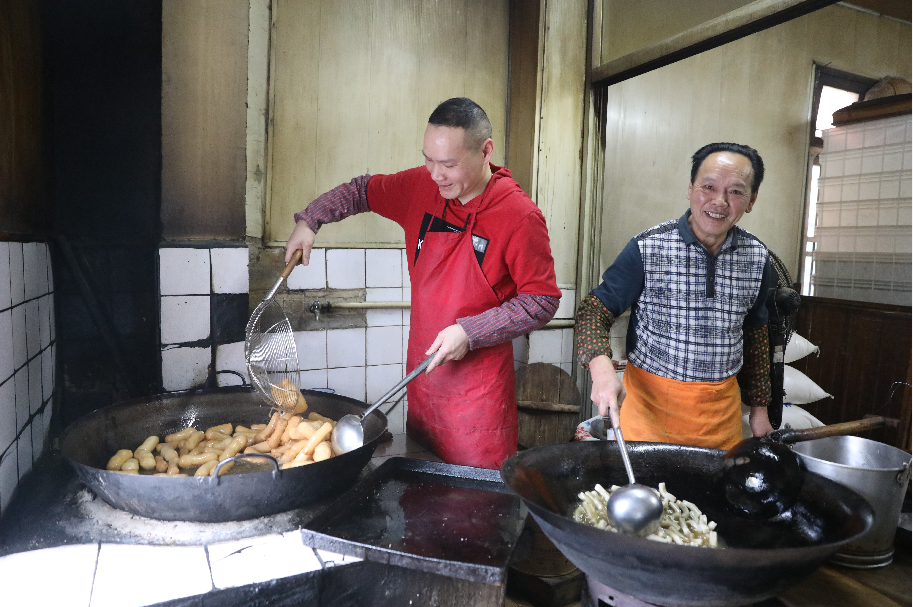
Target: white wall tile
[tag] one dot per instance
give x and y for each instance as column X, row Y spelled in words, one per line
column 311, row 276
column 405, row 342
column 8, row 426
column 47, row 372
column 346, row 268
column 407, row 282
column 566, row 307
column 229, row 270
column 383, row 268
column 347, row 381
column 185, row 319
column 384, row 345
column 380, row 378
column 30, row 263
column 17, row 275
column 38, row 436
column 21, row 386
column 44, row 321
column 567, row 345
column 521, row 349
column 545, row 346
column 9, row 477
column 35, row 384
column 384, row 317
column 184, row 368
column 114, row 589
column 396, row 418
column 346, row 348
column 44, row 279
column 310, row 380
column 51, row 312
column 24, row 452
column 230, row 357
column 5, row 299
column 312, row 349
column 184, row 271
column 260, row 559
column 32, row 328
column 6, row 339
column 74, row 571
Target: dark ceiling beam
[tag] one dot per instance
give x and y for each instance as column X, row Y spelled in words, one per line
column 749, row 19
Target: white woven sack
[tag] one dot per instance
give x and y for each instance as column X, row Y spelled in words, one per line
column 800, row 390
column 798, row 347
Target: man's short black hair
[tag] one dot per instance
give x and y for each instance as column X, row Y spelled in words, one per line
column 757, row 165
column 466, row 114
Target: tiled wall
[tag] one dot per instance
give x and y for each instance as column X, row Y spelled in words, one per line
column 864, row 215
column 27, row 350
column 204, row 304
column 361, row 363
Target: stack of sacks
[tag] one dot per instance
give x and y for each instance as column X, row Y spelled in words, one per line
column 798, row 388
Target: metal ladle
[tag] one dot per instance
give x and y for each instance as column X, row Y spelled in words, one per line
column 349, row 434
column 633, row 509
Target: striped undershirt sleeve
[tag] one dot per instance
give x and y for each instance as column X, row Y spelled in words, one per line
column 591, row 332
column 337, row 204
column 515, row 317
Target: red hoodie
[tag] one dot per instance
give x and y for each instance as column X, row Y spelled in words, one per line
column 518, row 258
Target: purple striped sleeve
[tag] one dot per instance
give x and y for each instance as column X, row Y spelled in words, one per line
column 515, row 317
column 337, row 204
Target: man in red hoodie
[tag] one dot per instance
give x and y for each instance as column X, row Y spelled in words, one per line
column 482, row 274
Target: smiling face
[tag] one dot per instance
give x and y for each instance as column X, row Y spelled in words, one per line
column 460, row 173
column 720, row 194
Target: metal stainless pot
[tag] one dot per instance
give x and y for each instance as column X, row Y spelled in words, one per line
column 90, row 441
column 763, row 557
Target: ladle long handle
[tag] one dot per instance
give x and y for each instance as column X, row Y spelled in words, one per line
column 869, row 423
column 622, row 447
column 399, row 386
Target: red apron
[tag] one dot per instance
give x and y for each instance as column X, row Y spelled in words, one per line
column 464, row 410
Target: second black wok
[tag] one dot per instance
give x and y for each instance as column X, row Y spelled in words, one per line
column 762, row 557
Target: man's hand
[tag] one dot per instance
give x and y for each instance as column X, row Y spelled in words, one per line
column 303, row 238
column 759, row 422
column 608, row 392
column 451, row 343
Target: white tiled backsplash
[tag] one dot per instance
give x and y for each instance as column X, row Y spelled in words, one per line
column 27, row 351
column 361, row 363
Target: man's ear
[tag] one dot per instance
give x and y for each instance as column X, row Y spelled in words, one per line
column 751, row 202
column 488, row 150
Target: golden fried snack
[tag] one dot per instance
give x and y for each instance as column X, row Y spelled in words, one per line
column 118, row 460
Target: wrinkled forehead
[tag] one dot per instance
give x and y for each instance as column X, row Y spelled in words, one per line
column 726, row 165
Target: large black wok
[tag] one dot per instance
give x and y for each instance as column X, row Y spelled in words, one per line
column 762, row 557
column 90, row 441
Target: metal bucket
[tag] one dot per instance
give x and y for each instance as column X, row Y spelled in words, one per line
column 879, row 473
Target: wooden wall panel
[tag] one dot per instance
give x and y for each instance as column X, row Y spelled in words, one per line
column 204, row 119
column 756, row 91
column 24, row 204
column 352, row 85
column 559, row 146
column 865, row 349
column 628, row 26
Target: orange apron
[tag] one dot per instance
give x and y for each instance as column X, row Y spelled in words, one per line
column 657, row 409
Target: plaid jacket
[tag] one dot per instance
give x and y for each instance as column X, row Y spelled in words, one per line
column 690, row 314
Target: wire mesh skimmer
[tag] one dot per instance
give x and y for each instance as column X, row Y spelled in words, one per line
column 270, row 351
